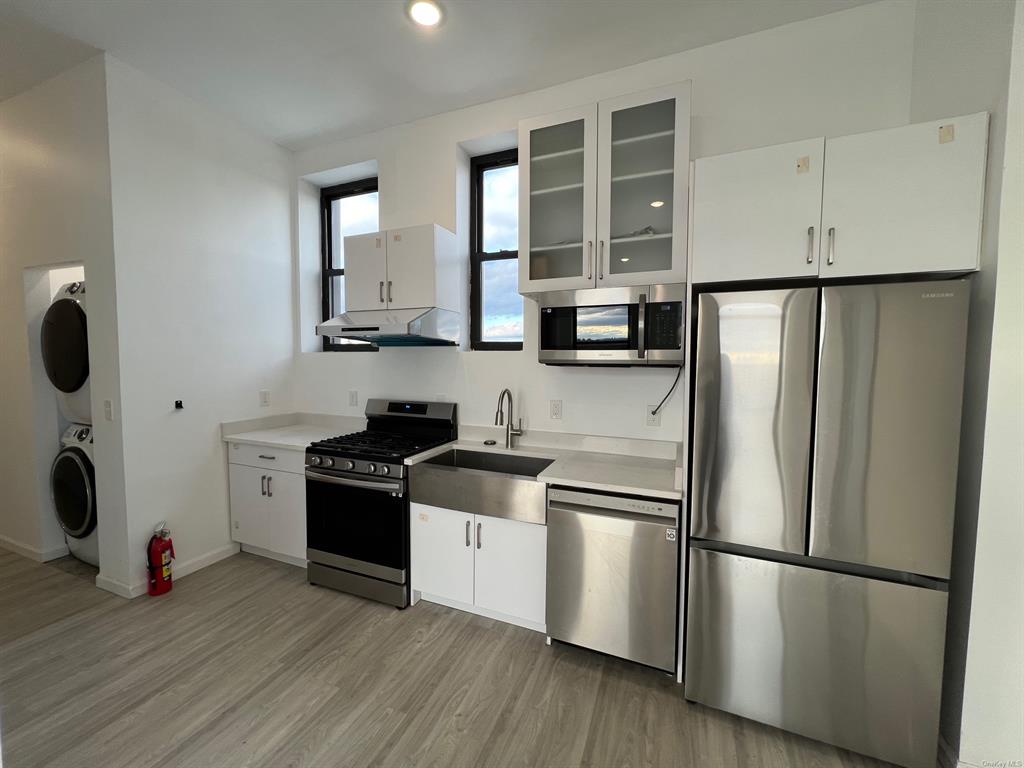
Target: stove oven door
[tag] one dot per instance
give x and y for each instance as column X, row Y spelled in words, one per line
column 357, row 524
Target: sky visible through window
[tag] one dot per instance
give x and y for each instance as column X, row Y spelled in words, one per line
column 502, row 306
column 353, row 215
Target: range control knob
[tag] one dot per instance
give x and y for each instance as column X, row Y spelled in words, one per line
column 328, row 462
column 371, row 468
column 385, row 470
column 315, row 461
column 350, row 464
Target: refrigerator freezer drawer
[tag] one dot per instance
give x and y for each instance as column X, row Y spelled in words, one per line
column 851, row 661
column 612, row 582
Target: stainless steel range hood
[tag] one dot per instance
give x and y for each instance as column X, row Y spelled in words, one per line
column 421, row 327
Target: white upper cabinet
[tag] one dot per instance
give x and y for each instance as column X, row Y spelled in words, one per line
column 366, row 271
column 404, row 268
column 905, row 200
column 603, row 193
column 558, row 200
column 643, row 160
column 757, row 213
column 898, row 201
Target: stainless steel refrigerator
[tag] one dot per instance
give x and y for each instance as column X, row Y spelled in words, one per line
column 826, row 436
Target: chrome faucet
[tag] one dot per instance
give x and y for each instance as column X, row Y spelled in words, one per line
column 499, row 418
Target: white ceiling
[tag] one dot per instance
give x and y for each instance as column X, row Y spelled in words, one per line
column 294, row 70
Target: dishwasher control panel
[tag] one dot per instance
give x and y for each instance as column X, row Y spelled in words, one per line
column 599, row 501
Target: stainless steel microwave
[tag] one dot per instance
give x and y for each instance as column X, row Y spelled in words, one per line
column 642, row 325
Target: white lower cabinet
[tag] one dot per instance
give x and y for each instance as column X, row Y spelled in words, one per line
column 487, row 565
column 268, row 510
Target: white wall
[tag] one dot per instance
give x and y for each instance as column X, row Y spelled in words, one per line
column 992, row 728
column 55, row 209
column 202, row 235
column 961, row 64
column 831, row 75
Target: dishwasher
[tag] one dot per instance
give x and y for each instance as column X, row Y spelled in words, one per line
column 613, row 574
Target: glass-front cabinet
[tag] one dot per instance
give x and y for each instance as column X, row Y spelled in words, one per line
column 603, row 193
column 558, row 200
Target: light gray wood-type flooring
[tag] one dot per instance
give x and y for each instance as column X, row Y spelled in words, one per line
column 244, row 664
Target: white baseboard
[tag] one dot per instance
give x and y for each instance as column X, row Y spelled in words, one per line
column 32, row 553
column 300, row 562
column 119, row 588
column 542, row 628
column 185, row 567
column 181, row 569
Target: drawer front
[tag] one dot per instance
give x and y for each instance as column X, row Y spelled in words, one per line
column 847, row 660
column 280, row 459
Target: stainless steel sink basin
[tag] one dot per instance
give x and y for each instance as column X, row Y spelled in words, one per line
column 487, row 461
column 482, row 483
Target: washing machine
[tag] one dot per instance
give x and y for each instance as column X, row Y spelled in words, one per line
column 65, row 347
column 73, row 489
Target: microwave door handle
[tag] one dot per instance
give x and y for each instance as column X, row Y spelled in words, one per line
column 641, row 331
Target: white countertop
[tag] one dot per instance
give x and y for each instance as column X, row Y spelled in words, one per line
column 611, row 472
column 295, row 436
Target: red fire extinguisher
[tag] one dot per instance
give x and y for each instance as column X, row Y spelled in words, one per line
column 159, row 553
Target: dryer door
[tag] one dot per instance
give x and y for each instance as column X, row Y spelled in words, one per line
column 65, row 345
column 73, row 488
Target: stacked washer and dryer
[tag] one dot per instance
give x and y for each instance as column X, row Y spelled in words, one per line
column 65, row 351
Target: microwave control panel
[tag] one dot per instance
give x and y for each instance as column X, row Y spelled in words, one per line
column 664, row 323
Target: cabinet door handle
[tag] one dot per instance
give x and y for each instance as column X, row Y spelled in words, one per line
column 831, row 246
column 600, row 259
column 467, row 533
column 810, row 245
column 263, row 485
column 270, row 491
column 389, row 291
column 479, row 543
column 590, row 259
column 381, row 291
column 268, row 458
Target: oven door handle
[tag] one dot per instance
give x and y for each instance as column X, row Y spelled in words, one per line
column 372, row 485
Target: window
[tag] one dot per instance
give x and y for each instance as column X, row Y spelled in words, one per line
column 347, row 209
column 497, row 307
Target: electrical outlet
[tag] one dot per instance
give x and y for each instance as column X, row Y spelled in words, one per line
column 264, row 398
column 556, row 409
column 353, row 397
column 108, row 410
column 653, row 419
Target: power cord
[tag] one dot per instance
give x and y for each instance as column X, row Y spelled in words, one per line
column 679, row 372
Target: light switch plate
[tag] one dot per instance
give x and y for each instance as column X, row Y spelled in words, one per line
column 947, row 133
column 108, row 410
column 353, row 397
column 556, row 409
column 264, row 398
column 653, row 420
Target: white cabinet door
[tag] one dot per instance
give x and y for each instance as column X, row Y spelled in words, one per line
column 249, row 508
column 511, row 567
column 441, row 552
column 904, row 200
column 558, row 201
column 757, row 213
column 365, row 271
column 411, row 277
column 286, row 514
column 643, row 180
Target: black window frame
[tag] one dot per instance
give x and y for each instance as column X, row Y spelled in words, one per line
column 477, row 256
column 327, row 196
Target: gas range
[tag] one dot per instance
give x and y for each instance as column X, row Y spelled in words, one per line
column 371, row 452
column 357, row 498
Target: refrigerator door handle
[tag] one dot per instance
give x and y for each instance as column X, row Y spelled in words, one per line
column 707, row 392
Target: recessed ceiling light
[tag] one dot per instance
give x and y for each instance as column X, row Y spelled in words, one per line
column 426, row 13
column 657, row 203
column 624, row 258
